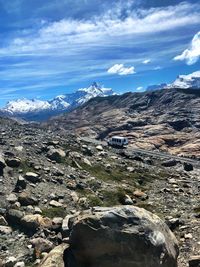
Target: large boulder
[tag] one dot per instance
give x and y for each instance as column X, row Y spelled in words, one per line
column 120, row 236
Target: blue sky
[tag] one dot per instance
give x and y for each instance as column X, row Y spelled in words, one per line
column 54, row 47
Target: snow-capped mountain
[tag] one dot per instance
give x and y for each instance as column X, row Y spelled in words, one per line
column 38, row 110
column 191, row 81
column 187, row 81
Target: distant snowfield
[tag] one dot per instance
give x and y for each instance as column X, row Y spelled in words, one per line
column 25, row 107
column 183, row 81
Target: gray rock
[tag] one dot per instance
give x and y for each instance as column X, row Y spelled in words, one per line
column 25, row 199
column 13, row 162
column 21, row 184
column 3, row 221
column 14, row 216
column 41, row 245
column 56, row 154
column 118, row 237
column 32, row 177
column 10, row 262
column 55, row 204
column 188, row 167
column 20, row 264
column 5, row 230
column 12, row 198
column 169, row 163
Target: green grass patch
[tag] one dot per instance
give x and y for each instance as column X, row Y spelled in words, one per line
column 26, row 167
column 197, row 209
column 54, row 212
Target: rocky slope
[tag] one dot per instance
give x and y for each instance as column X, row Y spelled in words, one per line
column 167, row 120
column 39, row 110
column 49, row 178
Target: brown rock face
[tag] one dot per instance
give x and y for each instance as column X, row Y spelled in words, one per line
column 167, row 119
column 118, row 237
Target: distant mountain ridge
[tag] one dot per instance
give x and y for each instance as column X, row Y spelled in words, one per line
column 39, row 110
column 191, row 81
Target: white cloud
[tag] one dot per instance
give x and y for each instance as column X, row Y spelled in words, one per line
column 157, row 68
column 146, row 61
column 74, row 35
column 192, row 54
column 120, row 69
column 140, row 88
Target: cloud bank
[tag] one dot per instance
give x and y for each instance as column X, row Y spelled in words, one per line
column 192, row 54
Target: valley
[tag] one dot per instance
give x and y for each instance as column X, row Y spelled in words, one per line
column 51, row 175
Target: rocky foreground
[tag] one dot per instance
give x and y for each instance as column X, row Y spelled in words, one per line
column 64, row 202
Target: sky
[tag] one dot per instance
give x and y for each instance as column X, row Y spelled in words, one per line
column 52, row 47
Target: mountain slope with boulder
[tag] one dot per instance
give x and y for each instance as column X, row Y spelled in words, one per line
column 167, row 120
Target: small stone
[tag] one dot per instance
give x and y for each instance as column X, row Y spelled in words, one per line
column 127, row 200
column 188, row 167
column 13, row 162
column 33, row 222
column 41, row 245
column 140, row 194
column 99, row 147
column 32, row 177
column 20, row 264
column 12, row 198
column 3, row 221
column 188, row 236
column 56, row 154
column 37, row 210
column 10, row 262
column 21, row 184
column 55, row 203
column 86, row 161
column 57, row 223
column 130, row 169
column 5, row 230
column 14, row 216
column 25, row 199
column 74, row 197
column 169, row 163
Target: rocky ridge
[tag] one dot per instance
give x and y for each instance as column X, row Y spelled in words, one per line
column 166, row 120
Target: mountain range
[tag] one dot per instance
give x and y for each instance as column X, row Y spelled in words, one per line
column 40, row 110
